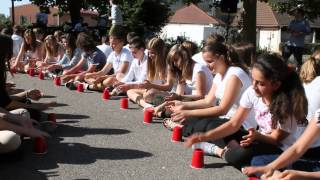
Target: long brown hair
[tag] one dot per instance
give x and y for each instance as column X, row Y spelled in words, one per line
column 231, row 56
column 180, row 62
column 289, row 100
column 157, row 67
column 33, row 45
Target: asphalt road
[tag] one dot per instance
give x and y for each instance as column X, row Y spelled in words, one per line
column 95, row 139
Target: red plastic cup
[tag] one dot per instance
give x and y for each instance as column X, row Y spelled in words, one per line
column 31, row 72
column 148, row 113
column 124, row 103
column 197, row 159
column 13, row 71
column 80, row 87
column 41, row 75
column 253, row 178
column 106, row 94
column 53, row 118
column 40, row 146
column 57, row 81
column 176, row 134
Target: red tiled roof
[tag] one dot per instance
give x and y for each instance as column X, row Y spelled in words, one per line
column 193, row 15
column 265, row 16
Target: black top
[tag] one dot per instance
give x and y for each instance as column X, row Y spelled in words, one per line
column 4, row 98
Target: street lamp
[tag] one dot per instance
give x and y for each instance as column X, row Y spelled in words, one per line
column 12, row 11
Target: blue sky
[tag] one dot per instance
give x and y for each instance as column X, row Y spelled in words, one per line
column 6, row 4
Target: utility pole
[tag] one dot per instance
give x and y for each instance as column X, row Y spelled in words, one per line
column 12, row 12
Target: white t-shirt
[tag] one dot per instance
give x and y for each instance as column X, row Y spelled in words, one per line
column 221, row 83
column 17, row 43
column 312, row 91
column 106, row 49
column 116, row 60
column 263, row 117
column 199, row 59
column 208, row 77
column 137, row 72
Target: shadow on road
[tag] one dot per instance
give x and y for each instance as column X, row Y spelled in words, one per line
column 71, row 116
column 64, row 130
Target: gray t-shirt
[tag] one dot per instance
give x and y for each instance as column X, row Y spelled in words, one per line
column 96, row 58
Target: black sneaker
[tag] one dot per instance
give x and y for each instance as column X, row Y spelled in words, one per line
column 70, row 85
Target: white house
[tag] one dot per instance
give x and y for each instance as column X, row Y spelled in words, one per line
column 193, row 23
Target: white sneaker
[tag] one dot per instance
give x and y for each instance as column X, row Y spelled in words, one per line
column 208, row 148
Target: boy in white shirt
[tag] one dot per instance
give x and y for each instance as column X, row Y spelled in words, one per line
column 138, row 70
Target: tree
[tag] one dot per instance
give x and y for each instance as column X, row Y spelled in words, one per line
column 4, row 21
column 145, row 15
column 139, row 15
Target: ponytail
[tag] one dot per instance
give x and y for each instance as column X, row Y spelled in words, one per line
column 229, row 52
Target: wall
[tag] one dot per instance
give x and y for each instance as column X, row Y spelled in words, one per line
column 195, row 33
column 269, row 39
column 29, row 11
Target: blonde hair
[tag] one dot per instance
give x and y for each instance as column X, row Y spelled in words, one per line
column 157, row 67
column 311, row 68
column 49, row 50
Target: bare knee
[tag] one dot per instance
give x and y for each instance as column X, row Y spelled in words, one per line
column 9, row 141
column 149, row 95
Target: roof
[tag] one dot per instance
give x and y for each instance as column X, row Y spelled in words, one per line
column 192, row 14
column 267, row 18
column 83, row 11
column 265, row 15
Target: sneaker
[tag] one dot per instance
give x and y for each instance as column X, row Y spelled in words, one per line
column 70, row 85
column 208, row 148
column 148, row 106
column 86, row 86
column 170, row 124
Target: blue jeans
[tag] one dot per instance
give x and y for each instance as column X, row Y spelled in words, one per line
column 310, row 165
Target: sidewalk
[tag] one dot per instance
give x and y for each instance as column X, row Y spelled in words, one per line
column 97, row 140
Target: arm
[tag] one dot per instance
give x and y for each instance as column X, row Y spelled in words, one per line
column 200, row 88
column 124, row 67
column 230, row 95
column 129, row 77
column 76, row 68
column 20, row 55
column 163, row 87
column 311, row 133
column 202, row 103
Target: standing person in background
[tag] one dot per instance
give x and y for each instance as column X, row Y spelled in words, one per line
column 116, row 15
column 17, row 39
column 104, row 46
column 299, row 27
column 42, row 17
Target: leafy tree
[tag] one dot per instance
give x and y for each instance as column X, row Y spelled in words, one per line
column 145, row 15
column 4, row 21
column 139, row 15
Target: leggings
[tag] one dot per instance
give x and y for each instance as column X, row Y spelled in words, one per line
column 195, row 125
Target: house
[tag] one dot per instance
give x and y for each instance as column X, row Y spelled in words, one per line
column 193, row 23
column 272, row 28
column 26, row 14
